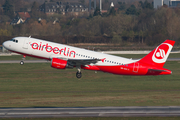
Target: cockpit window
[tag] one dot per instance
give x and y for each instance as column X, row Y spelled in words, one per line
column 14, row 40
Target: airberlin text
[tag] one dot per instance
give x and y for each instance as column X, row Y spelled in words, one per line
column 65, row 51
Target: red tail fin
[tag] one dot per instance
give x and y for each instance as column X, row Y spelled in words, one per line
column 158, row 56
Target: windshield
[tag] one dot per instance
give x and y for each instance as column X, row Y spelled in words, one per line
column 14, row 40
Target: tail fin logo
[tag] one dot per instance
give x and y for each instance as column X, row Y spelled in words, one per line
column 161, row 53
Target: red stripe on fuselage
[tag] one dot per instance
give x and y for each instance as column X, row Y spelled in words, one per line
column 130, row 69
column 123, row 69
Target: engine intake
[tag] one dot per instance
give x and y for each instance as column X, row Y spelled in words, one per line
column 60, row 64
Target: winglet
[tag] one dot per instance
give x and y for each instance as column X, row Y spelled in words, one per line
column 158, row 56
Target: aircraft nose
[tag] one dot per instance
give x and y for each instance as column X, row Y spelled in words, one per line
column 5, row 44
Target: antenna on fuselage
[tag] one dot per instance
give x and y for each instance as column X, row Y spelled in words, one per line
column 30, row 36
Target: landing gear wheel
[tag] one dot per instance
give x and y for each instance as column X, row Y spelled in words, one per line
column 22, row 63
column 78, row 75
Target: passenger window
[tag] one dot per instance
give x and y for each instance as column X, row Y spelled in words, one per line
column 16, row 41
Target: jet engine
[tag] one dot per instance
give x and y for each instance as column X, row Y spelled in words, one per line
column 60, row 64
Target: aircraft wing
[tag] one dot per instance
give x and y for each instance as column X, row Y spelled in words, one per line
column 77, row 62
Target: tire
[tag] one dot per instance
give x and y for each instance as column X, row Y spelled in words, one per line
column 22, row 63
column 78, row 75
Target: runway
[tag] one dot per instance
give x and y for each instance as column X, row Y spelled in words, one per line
column 149, row 111
column 45, row 61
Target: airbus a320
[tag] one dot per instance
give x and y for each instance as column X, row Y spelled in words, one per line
column 65, row 56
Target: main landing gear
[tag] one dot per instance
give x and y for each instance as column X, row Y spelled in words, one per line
column 79, row 74
column 22, row 62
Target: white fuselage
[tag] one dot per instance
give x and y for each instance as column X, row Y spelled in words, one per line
column 48, row 50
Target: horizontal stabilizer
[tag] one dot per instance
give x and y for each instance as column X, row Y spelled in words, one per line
column 158, row 70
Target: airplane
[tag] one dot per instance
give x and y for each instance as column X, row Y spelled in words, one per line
column 65, row 56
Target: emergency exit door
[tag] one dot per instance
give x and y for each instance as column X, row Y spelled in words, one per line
column 136, row 67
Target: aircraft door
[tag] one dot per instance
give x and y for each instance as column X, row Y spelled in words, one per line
column 136, row 67
column 25, row 44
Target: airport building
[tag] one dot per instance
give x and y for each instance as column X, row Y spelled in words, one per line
column 169, row 3
column 158, row 3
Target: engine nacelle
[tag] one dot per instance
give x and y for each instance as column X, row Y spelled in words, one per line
column 59, row 64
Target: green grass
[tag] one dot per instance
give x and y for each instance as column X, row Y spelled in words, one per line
column 39, row 85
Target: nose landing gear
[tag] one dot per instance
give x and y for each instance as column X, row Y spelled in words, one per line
column 22, row 62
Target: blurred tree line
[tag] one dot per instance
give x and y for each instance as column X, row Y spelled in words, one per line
column 125, row 23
